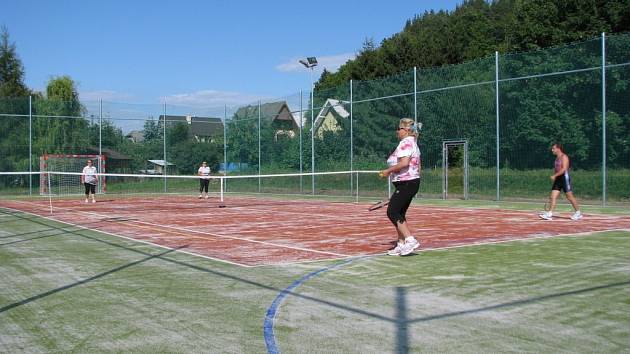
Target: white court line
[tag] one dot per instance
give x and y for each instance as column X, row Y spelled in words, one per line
column 205, row 233
column 340, row 256
column 129, row 238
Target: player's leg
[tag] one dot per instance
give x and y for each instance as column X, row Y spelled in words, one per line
column 394, row 208
column 93, row 192
column 206, row 183
column 200, row 188
column 578, row 214
column 396, row 212
column 87, row 191
column 553, row 199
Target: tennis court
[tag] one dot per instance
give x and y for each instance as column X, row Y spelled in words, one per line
column 175, row 273
column 268, row 231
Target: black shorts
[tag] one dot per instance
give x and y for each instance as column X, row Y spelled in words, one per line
column 562, row 183
column 203, row 184
column 90, row 188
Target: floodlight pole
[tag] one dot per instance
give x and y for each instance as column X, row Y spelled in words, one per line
column 310, row 63
column 312, row 135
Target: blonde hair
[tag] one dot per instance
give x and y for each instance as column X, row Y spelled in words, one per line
column 410, row 125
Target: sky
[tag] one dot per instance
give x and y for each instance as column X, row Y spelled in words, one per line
column 195, row 53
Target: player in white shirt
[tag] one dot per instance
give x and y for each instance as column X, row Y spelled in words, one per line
column 204, row 179
column 89, row 179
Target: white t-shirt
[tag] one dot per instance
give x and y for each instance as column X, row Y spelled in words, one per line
column 406, row 148
column 204, row 172
column 89, row 175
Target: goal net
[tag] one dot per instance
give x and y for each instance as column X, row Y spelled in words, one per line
column 66, row 184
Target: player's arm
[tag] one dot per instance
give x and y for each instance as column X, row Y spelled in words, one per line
column 402, row 163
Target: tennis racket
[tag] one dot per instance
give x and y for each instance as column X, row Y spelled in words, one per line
column 378, row 205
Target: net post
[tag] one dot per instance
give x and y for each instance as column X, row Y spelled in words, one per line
column 221, row 188
column 49, row 193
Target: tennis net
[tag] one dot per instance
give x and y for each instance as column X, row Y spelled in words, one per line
column 342, row 186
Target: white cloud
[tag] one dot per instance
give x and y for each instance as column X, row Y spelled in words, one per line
column 212, row 98
column 330, row 62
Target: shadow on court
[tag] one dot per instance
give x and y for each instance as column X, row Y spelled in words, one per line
column 401, row 322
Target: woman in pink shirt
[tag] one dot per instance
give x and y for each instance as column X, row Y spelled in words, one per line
column 404, row 168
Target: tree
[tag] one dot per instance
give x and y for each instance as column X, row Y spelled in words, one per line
column 11, row 69
column 60, row 126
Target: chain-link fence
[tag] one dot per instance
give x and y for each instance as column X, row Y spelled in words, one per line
column 488, row 128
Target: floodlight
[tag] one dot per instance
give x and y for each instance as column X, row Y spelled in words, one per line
column 309, row 63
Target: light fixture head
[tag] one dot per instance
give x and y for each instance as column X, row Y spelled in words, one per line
column 309, row 62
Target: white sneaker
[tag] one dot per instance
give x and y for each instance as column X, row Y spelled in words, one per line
column 546, row 215
column 200, row 196
column 577, row 216
column 93, row 200
column 410, row 245
column 396, row 250
column 206, row 197
column 86, row 200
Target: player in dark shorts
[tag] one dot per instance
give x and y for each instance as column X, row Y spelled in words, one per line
column 561, row 183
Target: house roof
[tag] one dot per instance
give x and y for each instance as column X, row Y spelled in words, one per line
column 160, row 162
column 137, row 135
column 109, row 153
column 198, row 126
column 272, row 110
column 334, row 106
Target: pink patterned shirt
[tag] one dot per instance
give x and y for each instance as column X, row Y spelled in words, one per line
column 406, row 148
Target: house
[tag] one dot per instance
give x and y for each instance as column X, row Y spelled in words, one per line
column 135, row 136
column 158, row 167
column 201, row 129
column 329, row 117
column 282, row 120
column 115, row 161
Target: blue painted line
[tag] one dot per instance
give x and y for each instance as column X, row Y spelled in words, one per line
column 270, row 340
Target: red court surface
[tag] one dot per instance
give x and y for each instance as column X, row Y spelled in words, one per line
column 255, row 232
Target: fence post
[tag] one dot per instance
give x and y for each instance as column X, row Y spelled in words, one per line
column 164, row 146
column 603, row 119
column 415, row 95
column 100, row 130
column 225, row 165
column 30, row 145
column 496, row 86
column 312, row 135
column 351, row 139
column 259, row 152
column 301, row 149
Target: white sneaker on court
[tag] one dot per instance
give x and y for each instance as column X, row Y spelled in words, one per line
column 410, row 245
column 200, row 196
column 546, row 215
column 86, row 200
column 396, row 251
column 577, row 216
column 93, row 200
